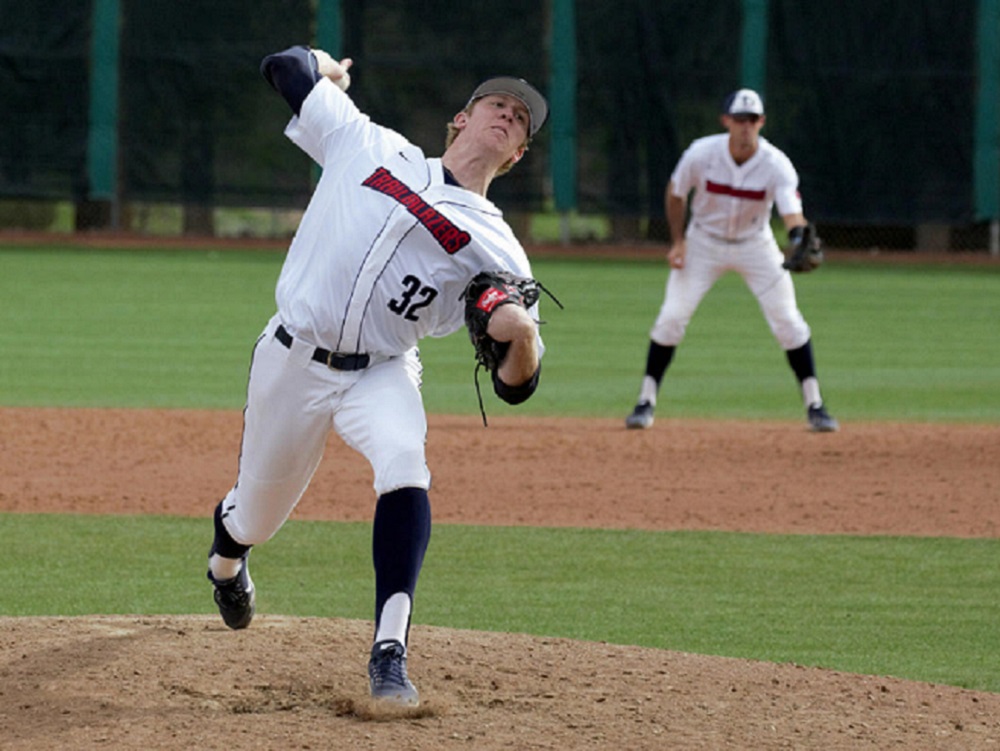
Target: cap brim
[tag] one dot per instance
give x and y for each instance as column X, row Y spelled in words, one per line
column 538, row 108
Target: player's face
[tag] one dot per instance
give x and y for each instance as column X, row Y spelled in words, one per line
column 743, row 130
column 498, row 122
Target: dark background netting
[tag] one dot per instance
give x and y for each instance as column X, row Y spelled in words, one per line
column 874, row 101
column 877, row 115
column 198, row 122
column 417, row 64
column 651, row 77
column 43, row 97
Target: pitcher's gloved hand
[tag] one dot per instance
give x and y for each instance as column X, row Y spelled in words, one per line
column 484, row 293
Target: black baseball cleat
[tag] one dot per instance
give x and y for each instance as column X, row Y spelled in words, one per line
column 820, row 420
column 235, row 597
column 641, row 417
column 387, row 674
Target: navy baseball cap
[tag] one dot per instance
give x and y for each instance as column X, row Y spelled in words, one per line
column 743, row 102
column 538, row 108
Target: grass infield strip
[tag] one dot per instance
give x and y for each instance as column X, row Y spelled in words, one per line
column 916, row 608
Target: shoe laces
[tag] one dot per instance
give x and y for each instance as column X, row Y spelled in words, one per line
column 234, row 598
column 233, row 593
column 389, row 666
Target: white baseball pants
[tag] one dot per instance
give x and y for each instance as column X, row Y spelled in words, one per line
column 707, row 259
column 292, row 405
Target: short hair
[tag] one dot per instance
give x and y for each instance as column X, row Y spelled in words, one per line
column 454, row 131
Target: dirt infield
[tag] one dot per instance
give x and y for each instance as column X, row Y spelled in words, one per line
column 286, row 683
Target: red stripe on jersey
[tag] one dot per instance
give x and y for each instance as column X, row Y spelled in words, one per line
column 729, row 190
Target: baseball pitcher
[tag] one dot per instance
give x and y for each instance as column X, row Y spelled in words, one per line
column 384, row 256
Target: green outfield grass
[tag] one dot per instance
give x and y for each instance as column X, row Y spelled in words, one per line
column 174, row 328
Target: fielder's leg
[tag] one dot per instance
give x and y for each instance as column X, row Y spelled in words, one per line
column 684, row 291
column 801, row 362
column 657, row 361
column 775, row 293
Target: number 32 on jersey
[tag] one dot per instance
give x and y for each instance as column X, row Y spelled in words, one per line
column 415, row 295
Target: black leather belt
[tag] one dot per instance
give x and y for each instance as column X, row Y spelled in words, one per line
column 333, row 360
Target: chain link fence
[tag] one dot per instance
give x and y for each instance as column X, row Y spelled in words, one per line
column 874, row 105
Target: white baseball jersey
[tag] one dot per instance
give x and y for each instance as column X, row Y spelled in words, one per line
column 386, row 246
column 733, row 202
column 380, row 259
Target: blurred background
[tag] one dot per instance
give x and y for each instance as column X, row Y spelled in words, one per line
column 151, row 117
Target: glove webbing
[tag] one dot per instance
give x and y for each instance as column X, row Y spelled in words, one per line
column 475, row 373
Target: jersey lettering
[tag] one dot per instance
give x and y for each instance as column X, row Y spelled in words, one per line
column 448, row 236
column 729, row 190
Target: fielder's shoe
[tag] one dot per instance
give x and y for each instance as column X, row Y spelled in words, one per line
column 641, row 417
column 387, row 674
column 235, row 597
column 820, row 420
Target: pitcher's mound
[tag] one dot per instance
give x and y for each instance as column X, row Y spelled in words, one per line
column 187, row 682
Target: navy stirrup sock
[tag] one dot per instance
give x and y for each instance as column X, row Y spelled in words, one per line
column 801, row 360
column 224, row 544
column 400, row 535
column 658, row 360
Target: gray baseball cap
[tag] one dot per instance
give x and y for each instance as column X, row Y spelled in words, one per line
column 743, row 102
column 538, row 108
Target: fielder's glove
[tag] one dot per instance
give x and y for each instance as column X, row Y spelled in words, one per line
column 805, row 250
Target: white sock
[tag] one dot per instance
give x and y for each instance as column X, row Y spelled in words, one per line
column 395, row 617
column 224, row 568
column 810, row 392
column 647, row 392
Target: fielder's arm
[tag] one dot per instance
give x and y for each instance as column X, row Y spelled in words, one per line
column 676, row 210
column 794, row 220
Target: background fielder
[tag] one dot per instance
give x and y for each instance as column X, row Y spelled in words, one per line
column 735, row 180
column 380, row 259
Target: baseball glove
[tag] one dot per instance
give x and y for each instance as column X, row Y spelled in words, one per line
column 805, row 250
column 484, row 293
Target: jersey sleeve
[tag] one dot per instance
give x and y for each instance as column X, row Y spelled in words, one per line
column 683, row 177
column 292, row 73
column 787, row 198
column 322, row 123
column 331, row 127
